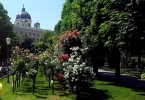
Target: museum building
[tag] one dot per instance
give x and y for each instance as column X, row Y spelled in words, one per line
column 22, row 26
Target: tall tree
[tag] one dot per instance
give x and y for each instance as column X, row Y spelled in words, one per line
column 76, row 14
column 110, row 26
column 57, row 27
column 6, row 28
column 46, row 36
column 137, row 38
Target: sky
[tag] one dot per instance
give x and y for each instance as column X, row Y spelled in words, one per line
column 46, row 12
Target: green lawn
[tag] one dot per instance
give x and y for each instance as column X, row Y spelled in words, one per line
column 102, row 90
column 24, row 92
column 111, row 91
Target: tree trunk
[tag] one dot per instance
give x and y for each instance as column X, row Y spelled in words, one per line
column 139, row 59
column 115, row 61
column 117, row 64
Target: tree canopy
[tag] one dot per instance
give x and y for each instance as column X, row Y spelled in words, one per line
column 6, row 28
column 110, row 26
column 111, row 21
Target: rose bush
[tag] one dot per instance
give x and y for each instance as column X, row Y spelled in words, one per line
column 69, row 39
column 22, row 60
column 77, row 73
column 68, row 62
column 73, row 68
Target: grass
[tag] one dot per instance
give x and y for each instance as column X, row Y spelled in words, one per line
column 24, row 92
column 112, row 91
column 102, row 90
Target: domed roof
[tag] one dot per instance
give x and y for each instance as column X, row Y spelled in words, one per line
column 23, row 14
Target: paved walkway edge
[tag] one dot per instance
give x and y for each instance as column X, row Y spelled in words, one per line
column 125, row 79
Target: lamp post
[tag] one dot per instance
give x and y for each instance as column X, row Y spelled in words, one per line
column 8, row 40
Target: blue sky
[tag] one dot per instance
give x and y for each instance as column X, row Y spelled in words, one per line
column 46, row 12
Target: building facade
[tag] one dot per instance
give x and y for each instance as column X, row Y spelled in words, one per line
column 22, row 26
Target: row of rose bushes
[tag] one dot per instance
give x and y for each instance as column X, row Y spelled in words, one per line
column 23, row 62
column 68, row 60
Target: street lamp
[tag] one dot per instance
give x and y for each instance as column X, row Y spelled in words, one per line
column 8, row 40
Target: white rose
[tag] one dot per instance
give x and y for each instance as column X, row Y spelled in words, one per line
column 78, row 61
column 81, row 65
column 84, row 63
column 70, row 65
column 78, row 58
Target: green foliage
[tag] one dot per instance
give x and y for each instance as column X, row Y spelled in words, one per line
column 46, row 36
column 32, row 73
column 107, row 24
column 6, row 28
column 38, row 46
column 76, row 14
column 99, row 15
column 57, row 27
column 18, row 59
column 23, row 60
column 143, row 76
column 25, row 42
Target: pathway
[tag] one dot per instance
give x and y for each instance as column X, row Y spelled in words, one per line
column 125, row 79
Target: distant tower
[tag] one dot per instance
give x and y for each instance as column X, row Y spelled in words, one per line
column 37, row 25
column 23, row 18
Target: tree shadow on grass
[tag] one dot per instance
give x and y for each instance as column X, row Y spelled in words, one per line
column 25, row 88
column 40, row 82
column 133, row 88
column 142, row 94
column 89, row 94
column 94, row 94
column 121, row 84
column 42, row 90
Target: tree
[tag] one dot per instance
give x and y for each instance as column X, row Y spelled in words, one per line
column 38, row 46
column 46, row 36
column 136, row 38
column 76, row 14
column 57, row 27
column 6, row 28
column 111, row 27
column 26, row 42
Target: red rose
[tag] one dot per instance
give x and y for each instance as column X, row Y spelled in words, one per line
column 59, row 38
column 58, row 45
column 60, row 76
column 75, row 31
column 78, row 34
